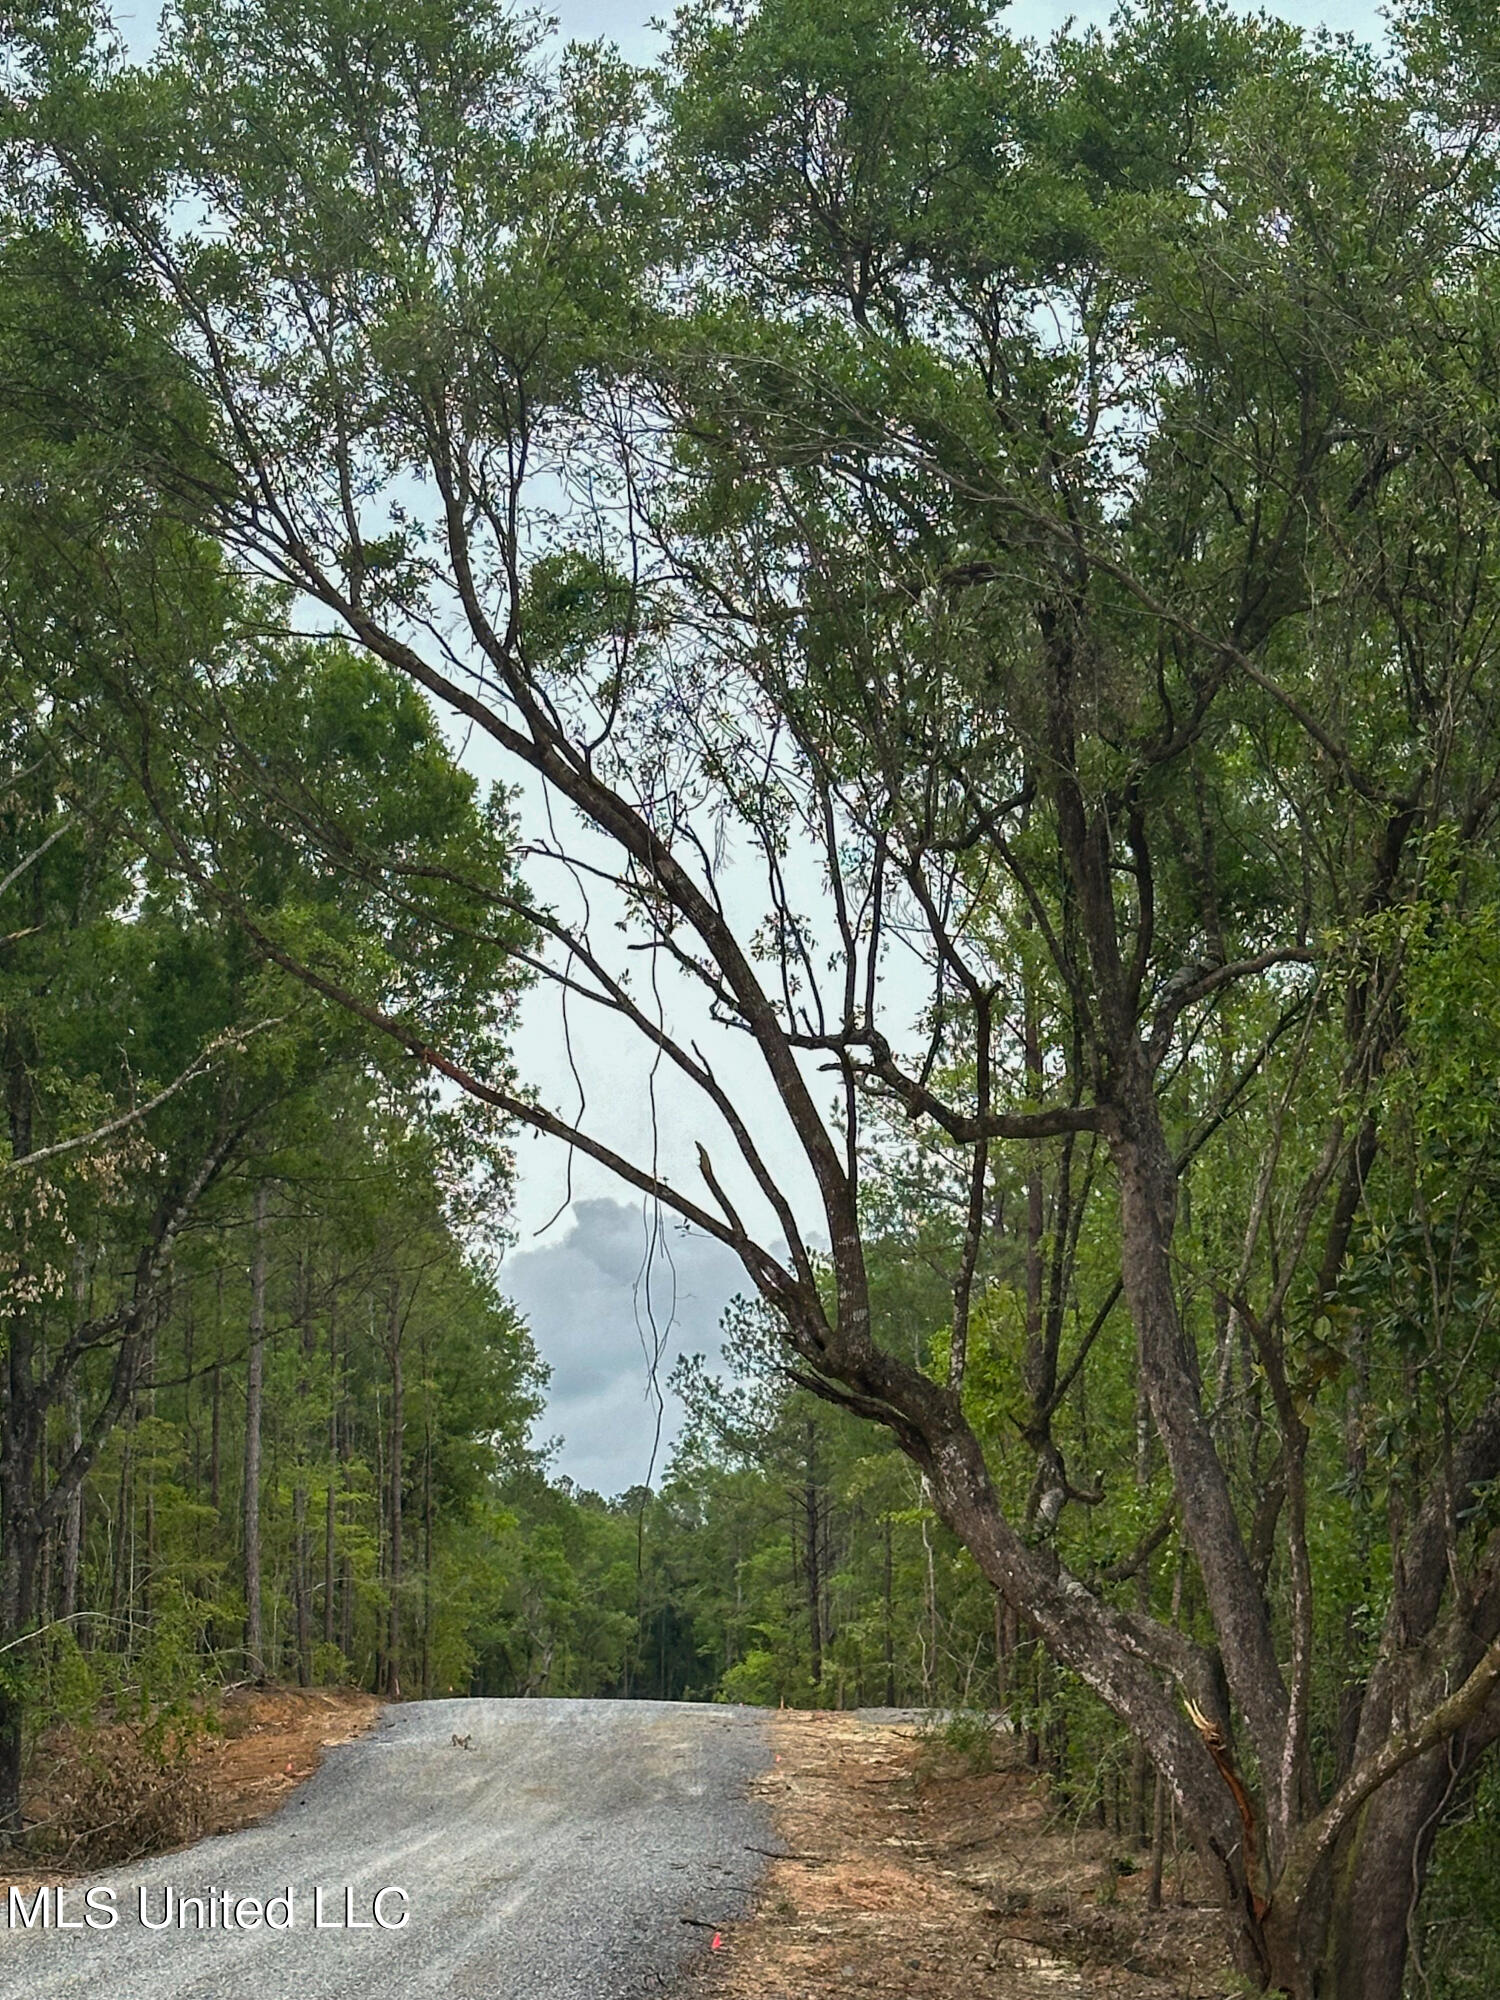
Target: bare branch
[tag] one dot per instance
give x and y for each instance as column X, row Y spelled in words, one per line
column 233, row 1038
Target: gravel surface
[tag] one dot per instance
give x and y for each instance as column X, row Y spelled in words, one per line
column 550, row 1854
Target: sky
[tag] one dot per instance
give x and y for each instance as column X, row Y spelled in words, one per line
column 597, row 1292
column 628, row 26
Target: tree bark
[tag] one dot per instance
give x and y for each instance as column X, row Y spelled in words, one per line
column 301, row 1557
column 812, row 1574
column 890, row 1612
column 395, row 1473
column 18, row 1444
column 72, row 1547
column 1378, row 1882
column 428, row 1509
column 255, row 1664
column 17, row 1572
column 330, row 1504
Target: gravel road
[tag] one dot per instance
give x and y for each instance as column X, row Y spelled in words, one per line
column 553, row 1858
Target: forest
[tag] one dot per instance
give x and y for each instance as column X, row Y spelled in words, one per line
column 938, row 588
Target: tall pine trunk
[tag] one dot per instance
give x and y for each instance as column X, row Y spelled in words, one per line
column 17, row 1573
column 254, row 1643
column 72, row 1547
column 330, row 1502
column 812, row 1573
column 301, row 1561
column 396, row 1458
column 428, row 1508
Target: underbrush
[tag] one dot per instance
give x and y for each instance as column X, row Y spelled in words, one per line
column 110, row 1774
column 113, row 1794
column 964, row 1738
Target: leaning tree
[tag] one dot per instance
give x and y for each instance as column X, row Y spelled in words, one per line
column 1036, row 506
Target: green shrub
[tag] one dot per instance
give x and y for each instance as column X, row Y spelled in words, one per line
column 754, row 1679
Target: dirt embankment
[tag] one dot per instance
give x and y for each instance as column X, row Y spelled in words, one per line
column 119, row 1793
column 272, row 1739
column 903, row 1875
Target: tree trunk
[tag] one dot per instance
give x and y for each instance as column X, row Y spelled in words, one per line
column 930, row 1649
column 330, row 1504
column 18, row 1438
column 398, row 1429
column 811, row 1570
column 46, row 1541
column 17, row 1573
column 72, row 1547
column 329, row 1535
column 148, row 1578
column 121, row 1583
column 215, row 1437
column 890, row 1630
column 346, row 1609
column 301, row 1586
column 301, row 1556
column 254, row 1644
column 346, row 1566
column 428, row 1504
column 1139, row 1762
column 1158, row 1844
column 1350, row 1937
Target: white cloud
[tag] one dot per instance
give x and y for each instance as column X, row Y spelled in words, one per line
column 599, row 1300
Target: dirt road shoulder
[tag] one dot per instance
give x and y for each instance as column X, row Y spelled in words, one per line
column 902, row 1874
